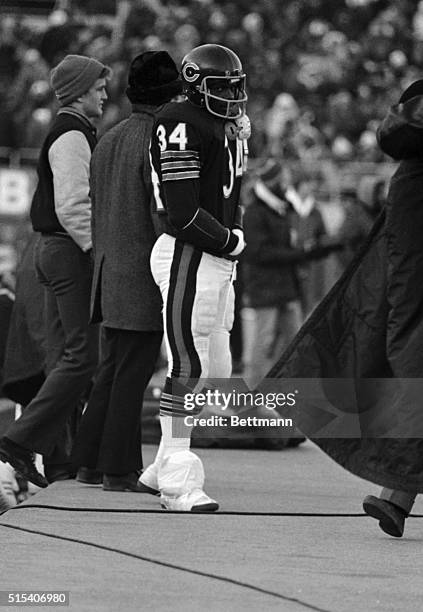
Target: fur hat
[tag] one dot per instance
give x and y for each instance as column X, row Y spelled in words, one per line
column 153, row 78
column 74, row 76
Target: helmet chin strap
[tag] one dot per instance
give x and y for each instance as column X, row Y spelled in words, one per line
column 238, row 128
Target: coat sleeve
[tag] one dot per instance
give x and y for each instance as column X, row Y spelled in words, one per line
column 69, row 158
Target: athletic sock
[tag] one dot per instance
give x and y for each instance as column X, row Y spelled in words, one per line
column 159, row 454
column 176, row 435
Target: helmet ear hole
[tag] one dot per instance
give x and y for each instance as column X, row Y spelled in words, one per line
column 208, row 66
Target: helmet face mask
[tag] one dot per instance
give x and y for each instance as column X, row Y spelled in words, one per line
column 213, row 77
column 224, row 106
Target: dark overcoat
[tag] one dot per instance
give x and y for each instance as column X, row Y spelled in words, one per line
column 363, row 345
column 24, row 363
column 269, row 261
column 124, row 294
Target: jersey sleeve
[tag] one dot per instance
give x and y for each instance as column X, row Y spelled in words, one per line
column 180, row 151
column 176, row 160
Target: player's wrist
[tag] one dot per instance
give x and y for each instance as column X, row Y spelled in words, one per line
column 231, row 243
column 238, row 234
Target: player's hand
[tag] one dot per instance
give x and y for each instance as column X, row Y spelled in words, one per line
column 241, row 243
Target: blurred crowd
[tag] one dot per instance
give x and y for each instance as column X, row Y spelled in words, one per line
column 321, row 73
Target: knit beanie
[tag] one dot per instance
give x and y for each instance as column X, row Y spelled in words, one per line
column 74, row 76
column 153, row 79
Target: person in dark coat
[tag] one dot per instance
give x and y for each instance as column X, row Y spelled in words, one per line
column 271, row 269
column 125, row 297
column 7, row 299
column 362, row 207
column 362, row 348
column 25, row 349
column 271, row 273
column 310, row 230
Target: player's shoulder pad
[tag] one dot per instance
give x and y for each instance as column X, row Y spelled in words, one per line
column 175, row 111
column 186, row 112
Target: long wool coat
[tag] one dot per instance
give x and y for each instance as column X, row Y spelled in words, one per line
column 124, row 294
column 363, row 346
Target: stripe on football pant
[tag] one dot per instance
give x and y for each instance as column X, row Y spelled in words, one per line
column 186, row 364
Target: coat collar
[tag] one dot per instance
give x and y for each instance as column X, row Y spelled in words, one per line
column 72, row 111
column 149, row 109
column 302, row 207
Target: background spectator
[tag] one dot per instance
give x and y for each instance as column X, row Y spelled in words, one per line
column 320, row 75
column 309, row 232
column 337, row 62
column 361, row 207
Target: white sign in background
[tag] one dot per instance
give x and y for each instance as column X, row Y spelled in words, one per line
column 15, row 191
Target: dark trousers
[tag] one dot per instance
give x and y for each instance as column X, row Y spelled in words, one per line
column 72, row 344
column 109, row 437
column 402, row 499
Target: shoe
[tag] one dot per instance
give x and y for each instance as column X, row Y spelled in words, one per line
column 22, row 461
column 59, row 476
column 294, row 442
column 89, row 476
column 391, row 517
column 148, row 480
column 181, row 481
column 194, row 501
column 127, row 482
column 55, row 473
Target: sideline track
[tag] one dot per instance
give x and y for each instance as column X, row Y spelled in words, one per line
column 290, row 536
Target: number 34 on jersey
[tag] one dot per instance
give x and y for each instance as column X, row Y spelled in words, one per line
column 180, row 156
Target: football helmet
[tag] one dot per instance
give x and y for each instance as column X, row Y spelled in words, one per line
column 213, row 77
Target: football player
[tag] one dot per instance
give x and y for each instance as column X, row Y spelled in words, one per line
column 198, row 155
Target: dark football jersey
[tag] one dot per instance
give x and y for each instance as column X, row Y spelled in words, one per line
column 195, row 165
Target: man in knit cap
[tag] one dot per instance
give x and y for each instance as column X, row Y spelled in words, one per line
column 125, row 297
column 61, row 213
